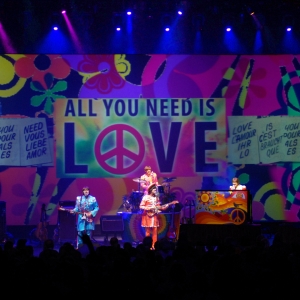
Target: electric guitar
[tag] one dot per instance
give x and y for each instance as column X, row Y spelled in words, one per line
column 153, row 211
column 86, row 215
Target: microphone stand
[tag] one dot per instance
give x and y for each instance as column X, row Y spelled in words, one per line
column 190, row 204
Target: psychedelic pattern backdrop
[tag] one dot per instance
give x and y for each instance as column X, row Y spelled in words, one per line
column 35, row 86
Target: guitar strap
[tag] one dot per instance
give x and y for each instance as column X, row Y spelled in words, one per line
column 83, row 203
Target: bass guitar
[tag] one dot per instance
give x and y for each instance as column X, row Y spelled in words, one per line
column 153, row 211
column 86, row 215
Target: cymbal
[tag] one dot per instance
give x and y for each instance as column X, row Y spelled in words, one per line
column 139, row 180
column 170, row 179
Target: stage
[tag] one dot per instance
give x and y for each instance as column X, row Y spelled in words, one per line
column 129, row 230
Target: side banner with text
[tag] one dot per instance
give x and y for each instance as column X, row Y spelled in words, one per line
column 25, row 142
column 264, row 140
column 118, row 137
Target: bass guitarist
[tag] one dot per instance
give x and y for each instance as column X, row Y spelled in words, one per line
column 86, row 207
column 151, row 206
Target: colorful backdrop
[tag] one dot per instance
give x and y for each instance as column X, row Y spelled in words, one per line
column 107, row 116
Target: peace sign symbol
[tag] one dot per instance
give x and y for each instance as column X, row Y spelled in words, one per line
column 113, row 149
column 238, row 216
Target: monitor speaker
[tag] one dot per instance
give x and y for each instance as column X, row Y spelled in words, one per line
column 112, row 223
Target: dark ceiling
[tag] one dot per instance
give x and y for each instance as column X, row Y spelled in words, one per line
column 199, row 30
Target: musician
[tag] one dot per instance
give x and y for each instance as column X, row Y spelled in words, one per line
column 149, row 177
column 151, row 206
column 236, row 185
column 86, row 207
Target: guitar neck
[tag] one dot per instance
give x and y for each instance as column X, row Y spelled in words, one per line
column 86, row 217
column 75, row 212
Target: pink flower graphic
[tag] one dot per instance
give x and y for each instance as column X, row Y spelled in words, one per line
column 104, row 72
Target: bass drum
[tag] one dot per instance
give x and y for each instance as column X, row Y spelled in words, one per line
column 135, row 200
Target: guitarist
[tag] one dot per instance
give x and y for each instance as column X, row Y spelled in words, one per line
column 86, row 207
column 151, row 206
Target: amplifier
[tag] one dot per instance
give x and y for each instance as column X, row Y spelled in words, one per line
column 67, row 203
column 67, row 230
column 112, row 223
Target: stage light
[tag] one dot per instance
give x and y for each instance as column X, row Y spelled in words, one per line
column 182, row 7
column 249, row 10
column 6, row 42
column 118, row 21
column 128, row 13
column 166, row 21
column 56, row 19
column 73, row 34
column 288, row 21
column 230, row 20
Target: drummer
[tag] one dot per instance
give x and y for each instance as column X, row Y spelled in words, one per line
column 149, row 178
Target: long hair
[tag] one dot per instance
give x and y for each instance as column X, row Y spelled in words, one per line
column 235, row 179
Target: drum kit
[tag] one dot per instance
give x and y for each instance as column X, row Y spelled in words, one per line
column 136, row 196
column 167, row 184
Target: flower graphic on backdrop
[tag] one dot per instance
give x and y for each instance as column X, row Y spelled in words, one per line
column 204, row 199
column 48, row 96
column 38, row 66
column 104, row 72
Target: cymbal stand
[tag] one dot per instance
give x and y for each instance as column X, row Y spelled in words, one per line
column 168, row 186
